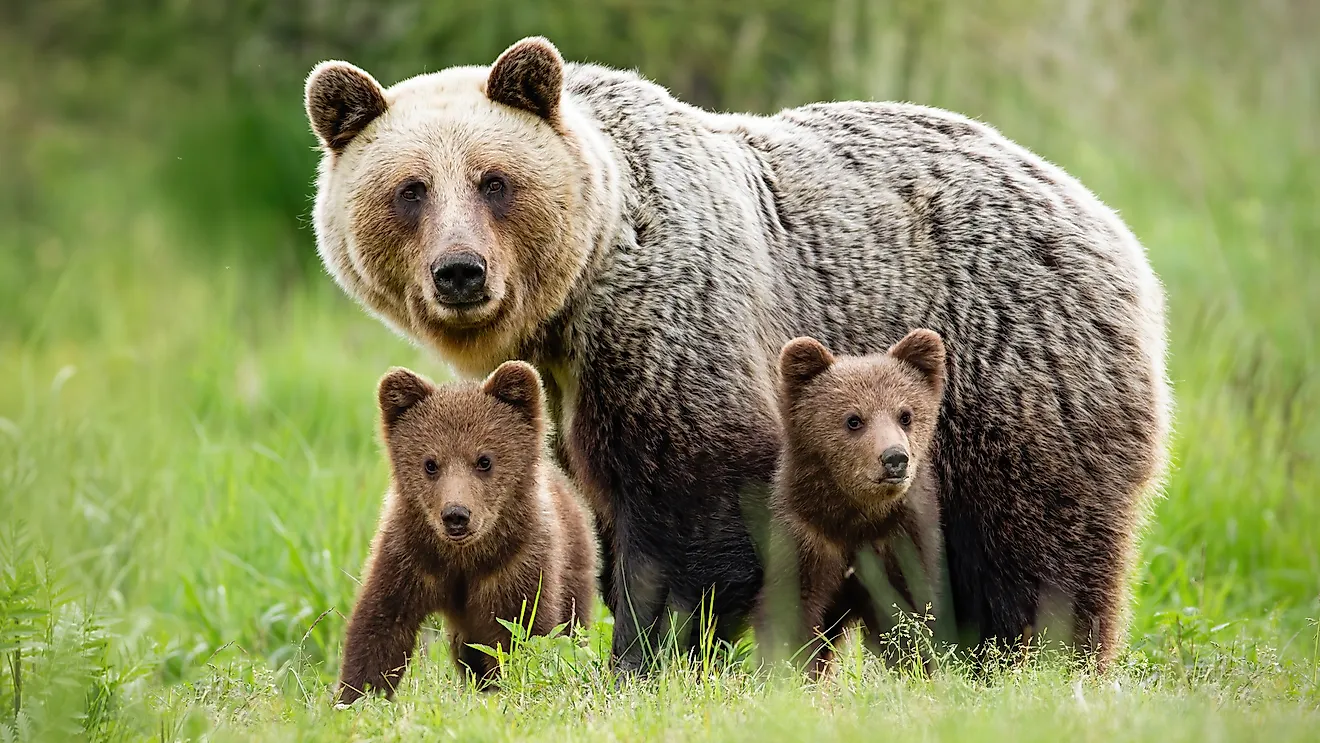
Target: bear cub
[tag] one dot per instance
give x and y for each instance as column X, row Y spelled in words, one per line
column 478, row 525
column 856, row 473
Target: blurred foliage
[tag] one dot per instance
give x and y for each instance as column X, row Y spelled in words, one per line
column 216, row 87
column 58, row 676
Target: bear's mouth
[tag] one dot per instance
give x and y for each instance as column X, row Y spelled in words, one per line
column 472, row 315
column 458, row 534
column 466, row 306
column 429, row 311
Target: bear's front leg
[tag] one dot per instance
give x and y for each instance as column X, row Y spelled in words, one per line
column 642, row 593
column 382, row 631
column 475, row 664
column 874, row 598
column 825, row 613
column 669, row 465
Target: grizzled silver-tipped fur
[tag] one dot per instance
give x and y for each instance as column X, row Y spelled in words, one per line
column 651, row 258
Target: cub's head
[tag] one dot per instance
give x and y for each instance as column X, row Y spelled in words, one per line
column 460, row 206
column 467, row 453
column 868, row 420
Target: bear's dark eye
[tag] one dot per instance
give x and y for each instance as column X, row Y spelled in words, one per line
column 494, row 186
column 412, row 191
column 905, row 419
column 431, row 467
column 483, row 463
column 854, row 422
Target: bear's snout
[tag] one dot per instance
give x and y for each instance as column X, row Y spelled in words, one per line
column 460, row 278
column 895, row 463
column 456, row 519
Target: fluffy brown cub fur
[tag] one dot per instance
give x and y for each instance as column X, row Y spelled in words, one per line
column 477, row 524
column 856, row 474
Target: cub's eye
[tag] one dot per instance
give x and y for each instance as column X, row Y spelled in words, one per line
column 431, row 467
column 905, row 419
column 854, row 422
column 494, row 185
column 412, row 191
column 483, row 463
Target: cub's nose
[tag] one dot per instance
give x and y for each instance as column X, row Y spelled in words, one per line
column 456, row 519
column 895, row 461
column 460, row 278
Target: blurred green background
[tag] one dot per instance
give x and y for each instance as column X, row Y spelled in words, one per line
column 189, row 474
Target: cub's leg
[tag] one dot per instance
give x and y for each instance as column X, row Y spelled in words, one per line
column 471, row 662
column 382, row 631
column 824, row 616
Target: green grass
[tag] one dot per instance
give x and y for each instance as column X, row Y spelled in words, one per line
column 190, row 476
column 195, row 448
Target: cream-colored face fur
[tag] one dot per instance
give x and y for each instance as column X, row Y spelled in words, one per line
column 433, row 171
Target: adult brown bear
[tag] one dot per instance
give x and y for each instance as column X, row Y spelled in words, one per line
column 650, row 258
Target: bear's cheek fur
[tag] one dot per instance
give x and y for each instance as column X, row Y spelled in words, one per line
column 822, row 434
column 921, row 435
column 386, row 250
column 536, row 245
column 856, row 465
column 412, row 484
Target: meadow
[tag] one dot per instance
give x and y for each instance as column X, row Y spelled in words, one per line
column 189, row 464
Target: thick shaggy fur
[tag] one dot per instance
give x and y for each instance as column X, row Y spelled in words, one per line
column 528, row 542
column 833, row 492
column 651, row 259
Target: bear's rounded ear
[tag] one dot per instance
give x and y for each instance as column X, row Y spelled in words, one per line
column 924, row 350
column 530, row 76
column 398, row 391
column 341, row 100
column 802, row 360
column 518, row 384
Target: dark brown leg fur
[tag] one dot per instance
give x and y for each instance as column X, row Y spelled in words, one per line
column 642, row 596
column 579, row 579
column 382, row 632
column 833, row 623
column 474, row 664
column 1096, row 620
column 876, row 610
column 820, row 575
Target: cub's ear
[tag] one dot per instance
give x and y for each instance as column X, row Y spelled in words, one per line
column 529, row 75
column 518, row 384
column 802, row 360
column 398, row 391
column 341, row 100
column 924, row 350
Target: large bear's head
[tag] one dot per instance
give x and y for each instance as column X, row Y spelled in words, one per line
column 461, row 206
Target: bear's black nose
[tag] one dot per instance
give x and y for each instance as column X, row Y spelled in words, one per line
column 460, row 278
column 895, row 461
column 456, row 519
